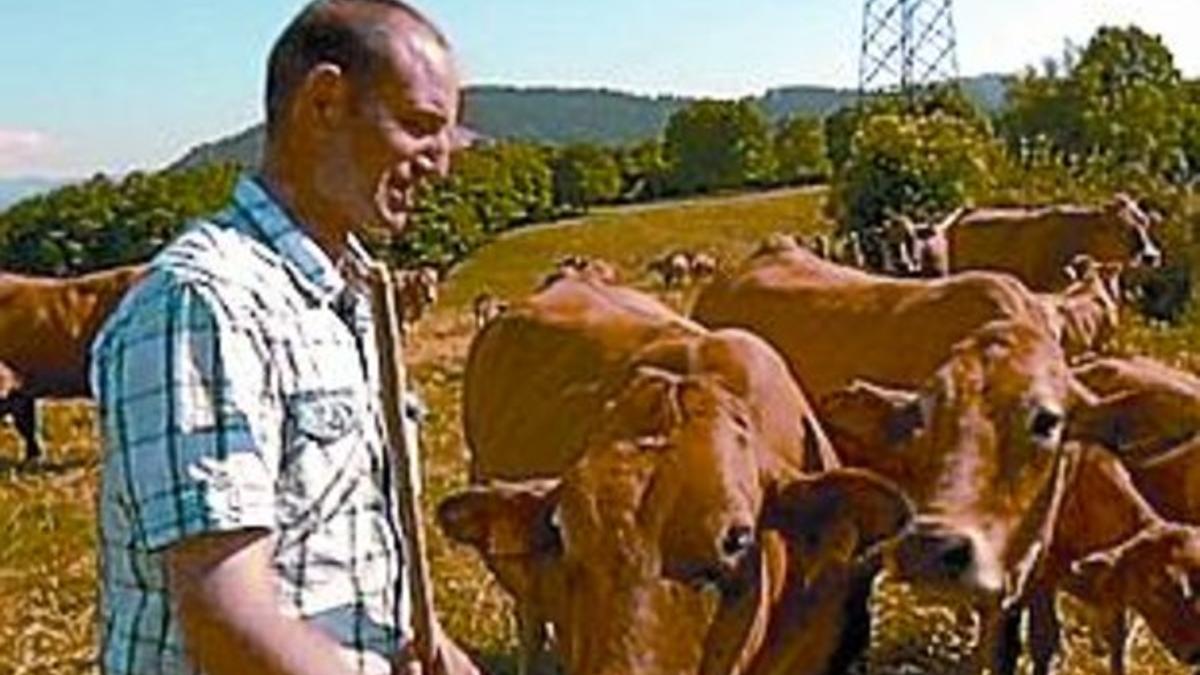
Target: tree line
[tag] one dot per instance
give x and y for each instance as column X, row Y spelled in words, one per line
column 1115, row 116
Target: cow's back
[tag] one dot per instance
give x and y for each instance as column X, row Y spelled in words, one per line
column 1034, row 245
column 536, row 375
column 48, row 323
column 835, row 324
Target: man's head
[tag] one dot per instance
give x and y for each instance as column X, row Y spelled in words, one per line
column 362, row 102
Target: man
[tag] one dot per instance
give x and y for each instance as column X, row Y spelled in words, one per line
column 248, row 511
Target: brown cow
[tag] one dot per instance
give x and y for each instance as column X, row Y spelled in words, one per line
column 701, row 266
column 1035, row 244
column 48, row 325
column 578, row 265
column 980, row 451
column 1112, row 550
column 850, row 251
column 1153, row 407
column 667, row 479
column 897, row 246
column 837, row 324
column 1151, row 415
column 485, row 307
column 818, row 244
column 672, row 269
column 416, row 292
column 1086, row 313
column 984, row 469
column 917, row 249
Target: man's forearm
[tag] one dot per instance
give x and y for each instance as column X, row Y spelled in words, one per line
column 224, row 591
column 256, row 639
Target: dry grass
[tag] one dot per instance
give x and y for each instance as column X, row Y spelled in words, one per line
column 47, row 545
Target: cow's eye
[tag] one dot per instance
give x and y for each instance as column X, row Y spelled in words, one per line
column 1045, row 424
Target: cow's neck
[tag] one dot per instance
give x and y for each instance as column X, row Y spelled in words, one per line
column 1103, row 508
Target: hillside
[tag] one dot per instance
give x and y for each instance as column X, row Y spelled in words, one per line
column 559, row 115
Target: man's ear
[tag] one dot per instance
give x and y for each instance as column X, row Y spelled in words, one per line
column 809, row 510
column 871, row 416
column 323, row 98
column 503, row 519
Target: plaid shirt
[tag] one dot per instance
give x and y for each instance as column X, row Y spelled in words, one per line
column 233, row 394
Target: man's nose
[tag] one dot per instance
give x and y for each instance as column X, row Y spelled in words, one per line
column 432, row 161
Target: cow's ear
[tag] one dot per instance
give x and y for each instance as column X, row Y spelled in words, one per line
column 502, row 519
column 808, row 509
column 872, row 416
column 1098, row 572
column 1121, row 201
column 1119, row 420
column 1101, row 572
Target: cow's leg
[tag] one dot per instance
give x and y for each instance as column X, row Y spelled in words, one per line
column 24, row 411
column 1008, row 643
column 1114, row 629
column 533, row 657
column 856, row 620
column 999, row 640
column 1044, row 631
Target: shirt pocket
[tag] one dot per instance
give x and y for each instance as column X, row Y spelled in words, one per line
column 325, row 456
column 324, row 416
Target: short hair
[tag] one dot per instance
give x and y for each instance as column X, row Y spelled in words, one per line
column 319, row 34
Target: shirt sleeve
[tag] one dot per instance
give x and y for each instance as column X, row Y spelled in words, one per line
column 190, row 416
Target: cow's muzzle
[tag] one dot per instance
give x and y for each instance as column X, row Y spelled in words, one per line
column 935, row 553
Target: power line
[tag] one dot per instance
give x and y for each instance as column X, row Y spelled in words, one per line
column 907, row 45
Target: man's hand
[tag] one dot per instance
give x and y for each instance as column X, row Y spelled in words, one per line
column 448, row 659
column 223, row 588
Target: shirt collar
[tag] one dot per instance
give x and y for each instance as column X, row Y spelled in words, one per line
column 311, row 268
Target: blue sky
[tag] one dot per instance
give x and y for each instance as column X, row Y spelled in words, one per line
column 112, row 85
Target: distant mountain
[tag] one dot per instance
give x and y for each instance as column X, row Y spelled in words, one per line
column 558, row 116
column 244, row 147
column 13, row 190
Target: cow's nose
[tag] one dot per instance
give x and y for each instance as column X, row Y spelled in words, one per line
column 1150, row 258
column 944, row 554
column 738, row 539
column 955, row 555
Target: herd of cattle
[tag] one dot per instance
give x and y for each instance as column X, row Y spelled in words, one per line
column 716, row 493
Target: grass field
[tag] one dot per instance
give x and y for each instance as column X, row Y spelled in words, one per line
column 47, row 531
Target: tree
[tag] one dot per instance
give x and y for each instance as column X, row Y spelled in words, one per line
column 917, row 165
column 799, row 149
column 1132, row 98
column 101, row 222
column 713, row 145
column 1123, row 101
column 584, row 175
column 841, row 127
column 644, row 170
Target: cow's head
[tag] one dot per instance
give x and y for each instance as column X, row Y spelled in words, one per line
column 898, row 242
column 427, row 279
column 1124, row 235
column 978, row 449
column 665, row 526
column 1157, row 572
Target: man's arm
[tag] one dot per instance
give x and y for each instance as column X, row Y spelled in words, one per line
column 224, row 590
